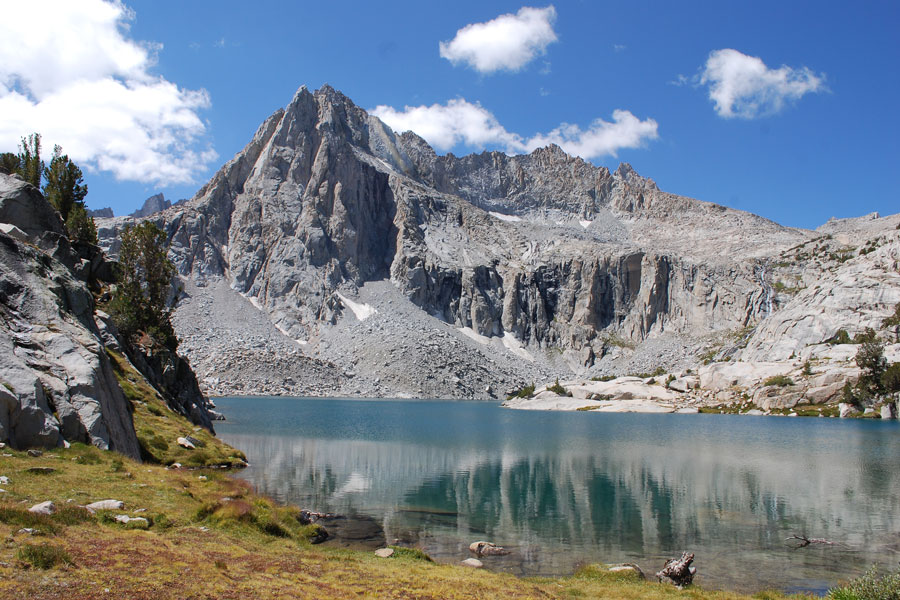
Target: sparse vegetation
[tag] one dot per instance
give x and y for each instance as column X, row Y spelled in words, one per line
column 525, row 392
column 841, row 337
column 871, row 586
column 779, row 380
column 655, row 373
column 558, row 389
column 157, row 427
column 620, row 342
column 43, row 556
column 604, row 378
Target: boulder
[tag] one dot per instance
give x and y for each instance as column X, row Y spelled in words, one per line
column 773, row 397
column 138, row 522
column 720, row 376
column 185, row 443
column 384, row 552
column 887, row 412
column 473, row 563
column 847, row 410
column 627, row 568
column 22, row 205
column 44, row 508
column 487, row 549
column 825, row 393
column 105, row 505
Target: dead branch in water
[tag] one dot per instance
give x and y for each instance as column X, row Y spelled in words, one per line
column 806, row 541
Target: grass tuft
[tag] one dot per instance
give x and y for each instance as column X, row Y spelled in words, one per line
column 43, row 556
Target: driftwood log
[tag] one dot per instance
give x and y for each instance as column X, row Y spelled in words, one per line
column 678, row 571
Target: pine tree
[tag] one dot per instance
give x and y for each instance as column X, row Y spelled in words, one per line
column 139, row 303
column 9, row 162
column 31, row 167
column 64, row 188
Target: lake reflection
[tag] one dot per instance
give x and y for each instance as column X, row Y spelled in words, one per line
column 561, row 489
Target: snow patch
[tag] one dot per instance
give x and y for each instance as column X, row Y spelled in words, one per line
column 502, row 217
column 584, row 223
column 508, row 341
column 471, row 334
column 255, row 302
column 362, row 311
column 515, row 346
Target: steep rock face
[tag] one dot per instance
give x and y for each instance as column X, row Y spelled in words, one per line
column 852, row 295
column 57, row 380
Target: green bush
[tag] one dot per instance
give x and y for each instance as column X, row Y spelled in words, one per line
column 604, row 378
column 841, row 337
column 558, row 389
column 779, row 380
column 43, row 556
column 525, row 392
column 870, row 586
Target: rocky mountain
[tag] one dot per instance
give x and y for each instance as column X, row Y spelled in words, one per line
column 101, row 213
column 152, row 205
column 57, row 383
column 334, row 256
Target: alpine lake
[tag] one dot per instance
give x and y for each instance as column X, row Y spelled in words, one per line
column 564, row 489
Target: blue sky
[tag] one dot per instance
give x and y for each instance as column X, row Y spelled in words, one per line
column 785, row 109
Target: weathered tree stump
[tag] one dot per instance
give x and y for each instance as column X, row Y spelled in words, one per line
column 678, row 571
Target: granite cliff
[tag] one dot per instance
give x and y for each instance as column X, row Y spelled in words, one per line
column 57, row 382
column 334, row 256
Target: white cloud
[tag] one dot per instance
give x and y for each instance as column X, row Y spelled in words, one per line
column 69, row 71
column 446, row 125
column 508, row 42
column 461, row 122
column 743, row 86
column 601, row 138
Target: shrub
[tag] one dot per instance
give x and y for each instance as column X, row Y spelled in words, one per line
column 841, row 337
column 603, row 378
column 43, row 556
column 558, row 389
column 870, row 586
column 20, row 517
column 411, row 553
column 807, row 369
column 779, row 380
column 525, row 392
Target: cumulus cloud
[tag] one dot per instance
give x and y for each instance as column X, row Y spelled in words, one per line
column 462, row 122
column 508, row 42
column 743, row 86
column 69, row 70
column 446, row 125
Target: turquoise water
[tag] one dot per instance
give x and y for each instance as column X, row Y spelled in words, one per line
column 564, row 489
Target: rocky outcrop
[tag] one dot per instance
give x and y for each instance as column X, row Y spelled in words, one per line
column 57, row 382
column 152, row 205
column 101, row 213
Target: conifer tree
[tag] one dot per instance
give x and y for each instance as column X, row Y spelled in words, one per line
column 31, row 167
